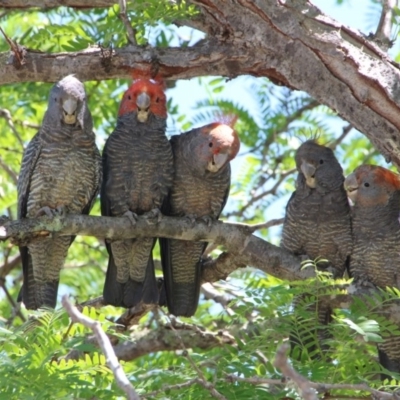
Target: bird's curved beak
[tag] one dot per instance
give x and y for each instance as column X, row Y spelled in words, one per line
column 351, row 187
column 309, row 172
column 143, row 104
column 69, row 110
column 217, row 162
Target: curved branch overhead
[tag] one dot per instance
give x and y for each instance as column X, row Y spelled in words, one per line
column 13, row 4
column 290, row 42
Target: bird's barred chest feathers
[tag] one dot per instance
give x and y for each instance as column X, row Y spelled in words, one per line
column 194, row 193
column 64, row 175
column 317, row 208
column 376, row 253
column 143, row 166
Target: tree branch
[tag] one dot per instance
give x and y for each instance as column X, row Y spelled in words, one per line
column 291, row 42
column 384, row 29
column 57, row 3
column 166, row 338
column 125, row 19
column 105, row 345
column 9, row 265
column 237, row 238
column 281, row 362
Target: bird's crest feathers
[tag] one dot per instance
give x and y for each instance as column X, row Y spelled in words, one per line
column 309, row 135
column 381, row 175
column 223, row 136
column 144, row 83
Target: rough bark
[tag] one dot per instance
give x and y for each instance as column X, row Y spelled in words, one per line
column 236, row 238
column 13, row 4
column 291, row 42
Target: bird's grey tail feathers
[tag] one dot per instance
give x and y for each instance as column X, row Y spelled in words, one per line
column 130, row 293
column 182, row 298
column 35, row 294
column 388, row 363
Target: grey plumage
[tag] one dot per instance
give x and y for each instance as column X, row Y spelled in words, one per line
column 200, row 190
column 376, row 229
column 138, row 169
column 317, row 221
column 60, row 172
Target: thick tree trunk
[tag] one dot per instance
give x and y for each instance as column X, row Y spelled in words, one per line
column 291, row 42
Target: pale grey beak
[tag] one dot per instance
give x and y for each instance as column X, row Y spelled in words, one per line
column 143, row 103
column 351, row 186
column 309, row 172
column 218, row 161
column 69, row 106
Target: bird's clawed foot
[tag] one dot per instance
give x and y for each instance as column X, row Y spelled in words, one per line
column 191, row 219
column 154, row 216
column 52, row 212
column 131, row 216
column 208, row 220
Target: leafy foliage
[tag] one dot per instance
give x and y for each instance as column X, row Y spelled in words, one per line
column 271, row 124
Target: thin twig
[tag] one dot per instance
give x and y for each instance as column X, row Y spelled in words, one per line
column 308, row 389
column 210, row 293
column 173, row 387
column 26, row 124
column 260, row 196
column 346, row 130
column 281, row 362
column 15, row 307
column 105, row 345
column 202, row 379
column 19, row 51
column 267, row 224
column 131, row 33
column 9, row 171
column 4, row 113
column 384, row 29
column 9, row 265
column 9, row 149
column 320, row 387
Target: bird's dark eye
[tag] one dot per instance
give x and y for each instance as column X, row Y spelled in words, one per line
column 157, row 99
column 321, row 161
column 55, row 99
column 210, row 144
column 366, row 184
column 129, row 97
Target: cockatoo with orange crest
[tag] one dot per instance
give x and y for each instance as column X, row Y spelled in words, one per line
column 200, row 190
column 375, row 192
column 138, row 172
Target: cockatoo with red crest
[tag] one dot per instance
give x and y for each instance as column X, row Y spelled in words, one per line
column 375, row 192
column 138, row 172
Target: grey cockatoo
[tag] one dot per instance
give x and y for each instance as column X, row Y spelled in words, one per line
column 200, row 190
column 138, row 172
column 375, row 192
column 60, row 173
column 317, row 221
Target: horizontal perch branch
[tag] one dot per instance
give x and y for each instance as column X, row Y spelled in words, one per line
column 236, row 238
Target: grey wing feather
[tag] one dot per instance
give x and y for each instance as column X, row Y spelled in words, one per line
column 29, row 160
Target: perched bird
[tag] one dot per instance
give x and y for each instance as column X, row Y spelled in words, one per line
column 60, row 173
column 317, row 221
column 200, row 190
column 138, row 172
column 375, row 192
